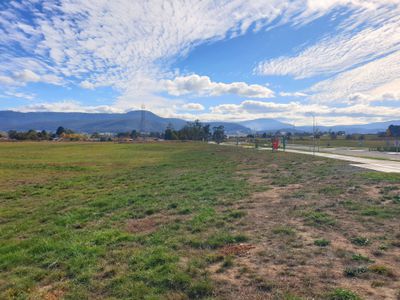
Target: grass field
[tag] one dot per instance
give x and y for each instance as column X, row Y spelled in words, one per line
column 190, row 220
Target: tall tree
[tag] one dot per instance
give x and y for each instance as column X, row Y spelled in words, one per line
column 60, row 131
column 393, row 131
column 219, row 134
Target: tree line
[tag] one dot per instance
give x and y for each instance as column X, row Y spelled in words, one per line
column 196, row 131
column 35, row 135
column 192, row 131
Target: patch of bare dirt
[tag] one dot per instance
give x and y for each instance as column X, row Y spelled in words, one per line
column 277, row 263
column 48, row 292
column 148, row 224
column 236, row 250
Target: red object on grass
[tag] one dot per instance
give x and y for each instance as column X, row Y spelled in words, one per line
column 275, row 144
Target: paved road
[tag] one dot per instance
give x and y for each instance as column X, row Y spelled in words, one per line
column 386, row 166
column 359, row 152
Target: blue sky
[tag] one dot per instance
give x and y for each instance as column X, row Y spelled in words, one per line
column 212, row 60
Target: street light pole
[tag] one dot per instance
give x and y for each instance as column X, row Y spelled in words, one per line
column 313, row 134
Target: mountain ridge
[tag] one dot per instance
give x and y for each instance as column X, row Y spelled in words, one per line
column 119, row 122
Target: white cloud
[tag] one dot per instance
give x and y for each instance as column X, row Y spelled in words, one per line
column 13, row 94
column 338, row 54
column 369, row 82
column 28, row 76
column 193, row 106
column 67, row 106
column 261, row 107
column 6, row 80
column 203, row 86
column 292, row 94
column 123, row 42
column 87, row 85
column 301, row 112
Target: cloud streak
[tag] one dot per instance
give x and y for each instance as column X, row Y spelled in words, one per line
column 337, row 54
column 203, row 86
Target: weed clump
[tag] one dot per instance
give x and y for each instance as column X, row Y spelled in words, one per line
column 360, row 257
column 381, row 270
column 360, row 241
column 316, row 218
column 283, row 230
column 322, row 243
column 342, row 294
column 237, row 214
column 200, row 289
column 218, row 240
column 355, row 271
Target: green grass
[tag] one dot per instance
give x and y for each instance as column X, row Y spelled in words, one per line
column 360, row 257
column 284, row 230
column 317, row 218
column 322, row 243
column 360, row 241
column 355, row 271
column 385, row 177
column 157, row 221
column 65, row 211
column 342, row 294
column 325, row 141
column 381, row 270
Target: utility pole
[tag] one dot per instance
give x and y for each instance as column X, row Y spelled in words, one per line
column 313, row 116
column 294, row 134
column 255, row 139
column 142, row 120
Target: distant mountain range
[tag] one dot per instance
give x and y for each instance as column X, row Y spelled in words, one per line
column 362, row 129
column 98, row 122
column 265, row 125
column 103, row 122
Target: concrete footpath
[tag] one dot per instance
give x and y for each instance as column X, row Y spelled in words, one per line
column 386, row 166
column 350, row 151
